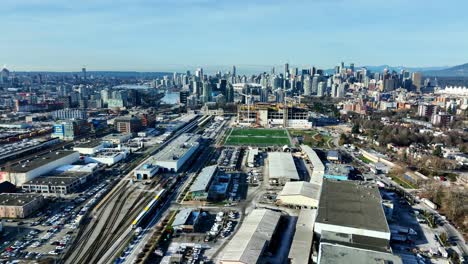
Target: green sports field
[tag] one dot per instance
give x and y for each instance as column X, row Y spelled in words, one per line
column 257, row 137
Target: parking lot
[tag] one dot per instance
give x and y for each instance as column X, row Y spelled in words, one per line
column 48, row 233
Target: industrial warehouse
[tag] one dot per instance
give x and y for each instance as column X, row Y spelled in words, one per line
column 252, row 238
column 35, row 166
column 176, row 153
column 282, row 168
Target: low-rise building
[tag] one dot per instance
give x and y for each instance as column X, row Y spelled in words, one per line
column 299, row 194
column 64, row 180
column 281, row 168
column 35, row 166
column 145, row 171
column 252, row 239
column 187, row 220
column 176, row 153
column 200, row 187
column 19, row 205
column 349, row 207
column 301, row 248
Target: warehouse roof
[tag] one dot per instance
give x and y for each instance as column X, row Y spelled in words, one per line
column 281, row 165
column 17, row 199
column 249, row 242
column 307, row 189
column 335, row 253
column 302, row 242
column 351, row 204
column 89, row 144
column 313, row 157
column 35, row 162
column 203, row 179
column 178, row 147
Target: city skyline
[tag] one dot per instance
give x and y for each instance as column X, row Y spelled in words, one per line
column 176, row 36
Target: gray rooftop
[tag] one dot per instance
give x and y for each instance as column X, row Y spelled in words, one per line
column 89, row 144
column 182, row 216
column 203, row 179
column 34, row 162
column 17, row 199
column 281, row 165
column 178, row 147
column 302, row 243
column 351, row 204
column 313, row 157
column 61, row 179
column 307, row 189
column 338, row 169
column 339, row 254
column 249, row 242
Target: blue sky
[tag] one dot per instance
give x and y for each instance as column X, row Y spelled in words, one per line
column 158, row 35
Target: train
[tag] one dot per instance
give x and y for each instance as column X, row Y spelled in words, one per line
column 148, row 208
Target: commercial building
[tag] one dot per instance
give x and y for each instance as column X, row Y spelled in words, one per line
column 35, row 166
column 69, row 114
column 346, row 248
column 281, row 168
column 107, row 156
column 252, row 238
column 128, row 124
column 299, row 194
column 187, row 220
column 353, row 208
column 19, row 205
column 176, row 153
column 89, row 148
column 300, row 252
column 200, row 187
column 116, row 138
column 61, row 182
column 71, row 129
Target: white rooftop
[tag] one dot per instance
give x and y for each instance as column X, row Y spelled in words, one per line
column 281, row 165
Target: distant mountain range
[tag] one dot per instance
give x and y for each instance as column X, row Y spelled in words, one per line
column 456, row 71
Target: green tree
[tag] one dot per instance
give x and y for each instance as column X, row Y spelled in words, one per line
column 343, row 139
column 437, row 151
column 355, row 129
column 443, row 238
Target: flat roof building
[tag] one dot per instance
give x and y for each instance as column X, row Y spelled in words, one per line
column 145, row 171
column 300, row 194
column 351, row 208
column 318, row 169
column 300, row 252
column 252, row 238
column 63, row 181
column 34, row 166
column 282, row 168
column 200, row 187
column 90, row 147
column 351, row 248
column 176, row 153
column 19, row 205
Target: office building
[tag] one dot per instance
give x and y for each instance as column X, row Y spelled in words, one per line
column 128, row 124
column 19, row 205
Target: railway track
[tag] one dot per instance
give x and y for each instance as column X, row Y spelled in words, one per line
column 113, row 229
